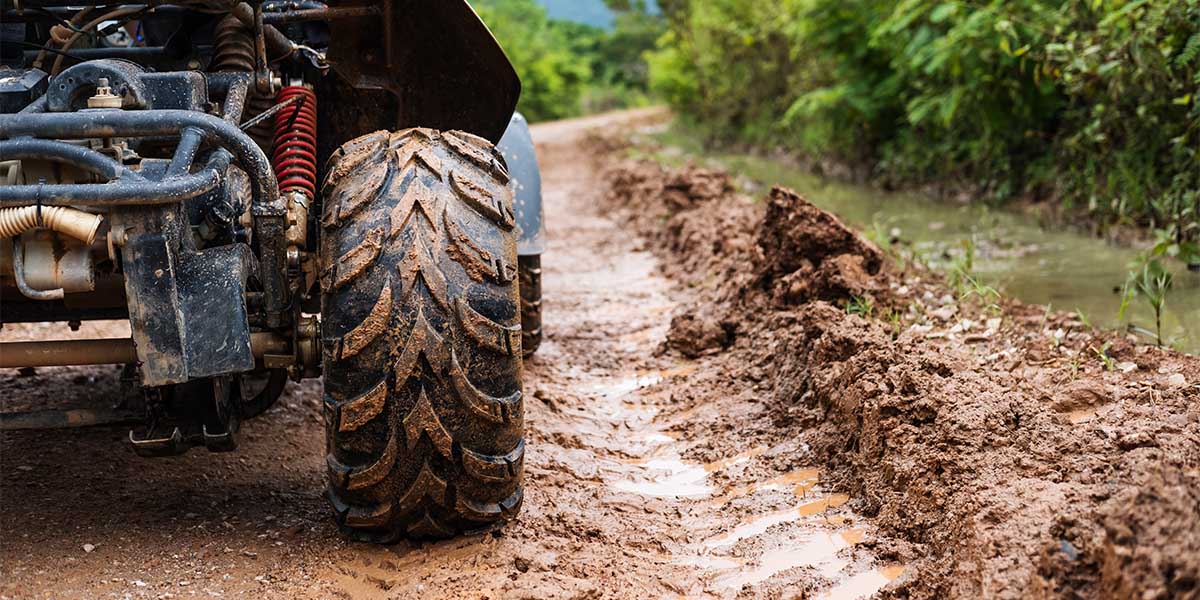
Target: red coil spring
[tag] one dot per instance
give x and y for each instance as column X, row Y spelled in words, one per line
column 295, row 156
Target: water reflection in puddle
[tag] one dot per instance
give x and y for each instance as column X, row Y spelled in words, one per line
column 761, row 523
column 801, row 483
column 864, row 584
column 818, row 552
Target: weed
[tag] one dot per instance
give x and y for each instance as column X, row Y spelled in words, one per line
column 1083, row 318
column 1151, row 283
column 1105, row 359
column 863, row 306
column 894, row 319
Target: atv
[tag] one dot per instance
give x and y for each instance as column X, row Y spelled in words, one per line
column 273, row 191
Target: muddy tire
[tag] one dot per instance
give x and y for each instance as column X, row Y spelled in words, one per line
column 421, row 337
column 530, row 275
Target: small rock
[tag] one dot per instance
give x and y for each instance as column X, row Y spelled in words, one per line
column 88, row 548
column 1127, row 367
column 1176, row 380
column 139, row 583
column 1069, row 549
column 1140, row 439
column 521, row 563
column 944, row 313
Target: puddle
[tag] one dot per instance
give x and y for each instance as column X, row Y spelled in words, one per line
column 863, row 585
column 819, row 552
column 627, row 385
column 615, row 388
column 761, row 523
column 801, row 483
column 667, row 475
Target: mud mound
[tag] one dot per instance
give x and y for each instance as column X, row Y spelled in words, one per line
column 808, row 254
column 1021, row 452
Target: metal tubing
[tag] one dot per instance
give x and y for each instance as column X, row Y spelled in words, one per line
column 65, row 419
column 236, row 88
column 79, row 156
column 185, row 152
column 36, row 107
column 144, row 123
column 279, row 43
column 22, row 284
column 333, row 13
column 118, row 193
column 66, row 353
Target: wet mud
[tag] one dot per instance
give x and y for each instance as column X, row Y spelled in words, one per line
column 705, row 420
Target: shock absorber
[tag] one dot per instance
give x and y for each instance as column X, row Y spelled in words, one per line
column 295, row 156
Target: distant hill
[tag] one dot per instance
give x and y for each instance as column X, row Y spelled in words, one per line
column 590, row 12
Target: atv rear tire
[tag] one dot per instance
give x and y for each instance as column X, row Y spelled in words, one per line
column 421, row 337
column 530, row 275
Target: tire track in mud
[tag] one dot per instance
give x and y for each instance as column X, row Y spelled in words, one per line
column 694, row 517
column 647, row 475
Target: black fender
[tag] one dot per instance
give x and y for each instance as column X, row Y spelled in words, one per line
column 436, row 57
column 519, row 154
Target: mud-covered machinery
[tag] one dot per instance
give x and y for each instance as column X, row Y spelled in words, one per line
column 279, row 190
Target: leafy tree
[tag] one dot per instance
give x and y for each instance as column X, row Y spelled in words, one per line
column 552, row 75
column 569, row 68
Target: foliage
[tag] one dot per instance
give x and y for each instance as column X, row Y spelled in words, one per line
column 552, row 76
column 1151, row 283
column 863, row 306
column 1091, row 101
column 569, row 68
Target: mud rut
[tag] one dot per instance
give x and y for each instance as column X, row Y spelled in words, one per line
column 646, row 476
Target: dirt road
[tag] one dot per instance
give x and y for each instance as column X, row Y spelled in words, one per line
column 737, row 397
column 647, row 475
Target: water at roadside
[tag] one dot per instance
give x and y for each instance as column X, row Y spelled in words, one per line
column 1065, row 269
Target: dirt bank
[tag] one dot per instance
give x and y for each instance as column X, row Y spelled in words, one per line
column 1004, row 450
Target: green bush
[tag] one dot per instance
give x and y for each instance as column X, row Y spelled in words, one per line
column 1090, row 101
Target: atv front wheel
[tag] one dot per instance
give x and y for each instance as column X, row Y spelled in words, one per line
column 422, row 337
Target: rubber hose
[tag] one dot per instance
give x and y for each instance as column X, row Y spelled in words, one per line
column 63, row 219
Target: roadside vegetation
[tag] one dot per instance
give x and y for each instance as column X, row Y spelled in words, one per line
column 1089, row 105
column 569, row 69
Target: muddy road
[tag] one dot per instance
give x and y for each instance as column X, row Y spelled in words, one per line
column 737, row 397
column 632, row 492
